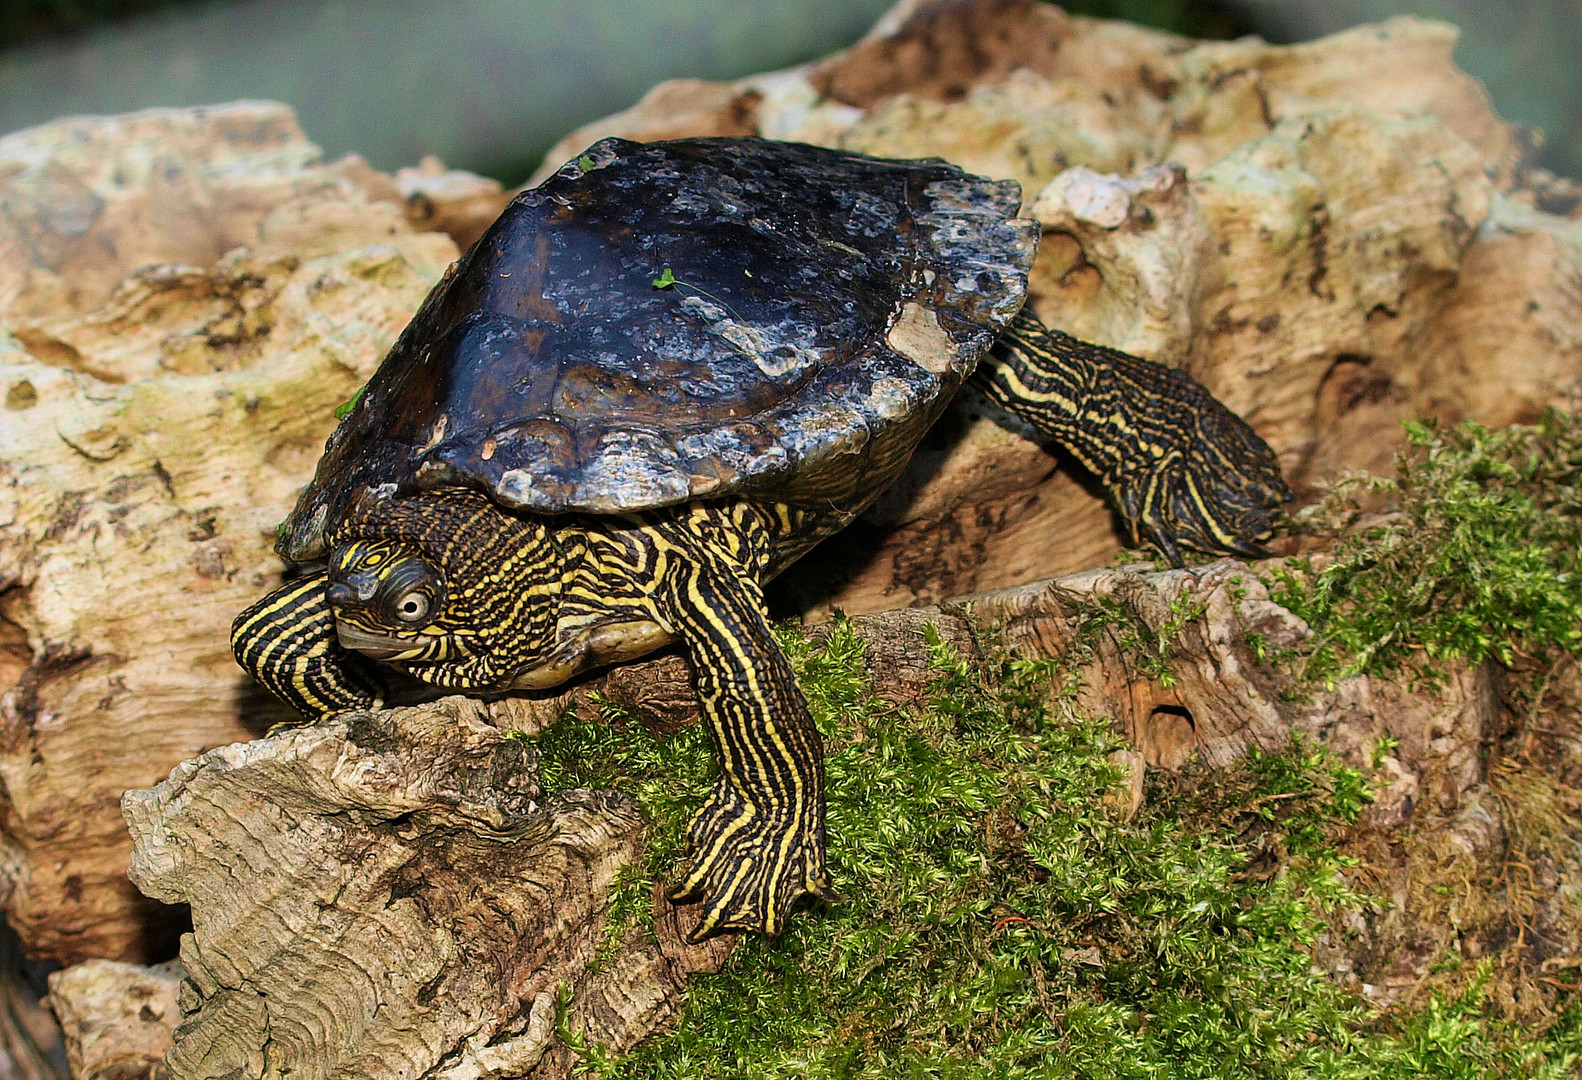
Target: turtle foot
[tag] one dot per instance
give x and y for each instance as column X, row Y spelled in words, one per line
column 1219, row 493
column 751, row 864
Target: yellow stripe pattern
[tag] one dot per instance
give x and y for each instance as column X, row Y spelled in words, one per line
column 287, row 641
column 518, row 599
column 1182, row 468
column 758, row 842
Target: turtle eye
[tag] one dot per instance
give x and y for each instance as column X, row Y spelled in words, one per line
column 412, row 607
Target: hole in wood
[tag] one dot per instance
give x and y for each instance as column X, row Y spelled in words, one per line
column 1169, row 736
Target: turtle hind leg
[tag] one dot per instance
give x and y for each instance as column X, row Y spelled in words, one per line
column 287, row 642
column 757, row 845
column 1182, row 469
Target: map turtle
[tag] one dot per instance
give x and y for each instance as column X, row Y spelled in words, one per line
column 658, row 379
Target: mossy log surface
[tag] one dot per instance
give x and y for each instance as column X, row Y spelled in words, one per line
column 392, row 895
column 1332, row 237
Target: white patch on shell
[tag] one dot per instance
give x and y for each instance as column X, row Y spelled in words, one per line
column 774, row 360
column 516, row 486
column 917, row 335
column 383, row 491
column 831, row 430
column 636, row 468
column 306, row 541
column 596, row 156
column 892, row 397
column 436, row 434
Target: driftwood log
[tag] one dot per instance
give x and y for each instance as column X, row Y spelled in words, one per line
column 1331, row 236
column 389, row 895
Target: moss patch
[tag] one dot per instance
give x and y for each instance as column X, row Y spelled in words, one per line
column 1002, row 921
column 1476, row 555
column 1005, row 920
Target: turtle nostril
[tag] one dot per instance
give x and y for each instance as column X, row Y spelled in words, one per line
column 339, row 593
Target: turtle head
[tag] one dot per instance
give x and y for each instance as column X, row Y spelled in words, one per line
column 452, row 588
column 389, row 602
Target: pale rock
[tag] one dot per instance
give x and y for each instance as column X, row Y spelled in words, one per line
column 456, row 202
column 1026, row 128
column 158, row 422
column 1155, row 249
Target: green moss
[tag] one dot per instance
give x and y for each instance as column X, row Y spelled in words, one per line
column 1002, row 921
column 1478, row 558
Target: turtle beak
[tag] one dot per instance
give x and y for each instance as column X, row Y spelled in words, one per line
column 343, row 595
column 371, row 645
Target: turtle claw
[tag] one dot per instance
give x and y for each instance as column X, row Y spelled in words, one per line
column 825, row 893
column 750, row 866
column 1165, row 543
column 1249, row 549
column 1219, row 497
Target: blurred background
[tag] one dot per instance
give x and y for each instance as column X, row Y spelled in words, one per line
column 489, row 85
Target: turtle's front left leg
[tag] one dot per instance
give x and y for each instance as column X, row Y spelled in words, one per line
column 758, row 842
column 287, row 642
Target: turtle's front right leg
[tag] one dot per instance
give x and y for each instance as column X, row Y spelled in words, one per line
column 757, row 844
column 287, row 642
column 1181, row 468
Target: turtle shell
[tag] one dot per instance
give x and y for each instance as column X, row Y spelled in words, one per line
column 701, row 318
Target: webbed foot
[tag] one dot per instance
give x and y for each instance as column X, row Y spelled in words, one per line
column 1217, row 489
column 751, row 864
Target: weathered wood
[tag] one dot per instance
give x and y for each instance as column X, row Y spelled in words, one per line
column 117, row 1017
column 455, row 202
column 158, row 420
column 390, row 894
column 32, row 1046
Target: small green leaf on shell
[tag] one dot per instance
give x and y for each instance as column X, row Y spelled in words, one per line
column 585, row 163
column 344, row 409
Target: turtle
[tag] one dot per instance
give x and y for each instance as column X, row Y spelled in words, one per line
column 659, row 378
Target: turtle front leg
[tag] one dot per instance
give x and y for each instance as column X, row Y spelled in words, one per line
column 758, row 842
column 287, row 642
column 1181, row 468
